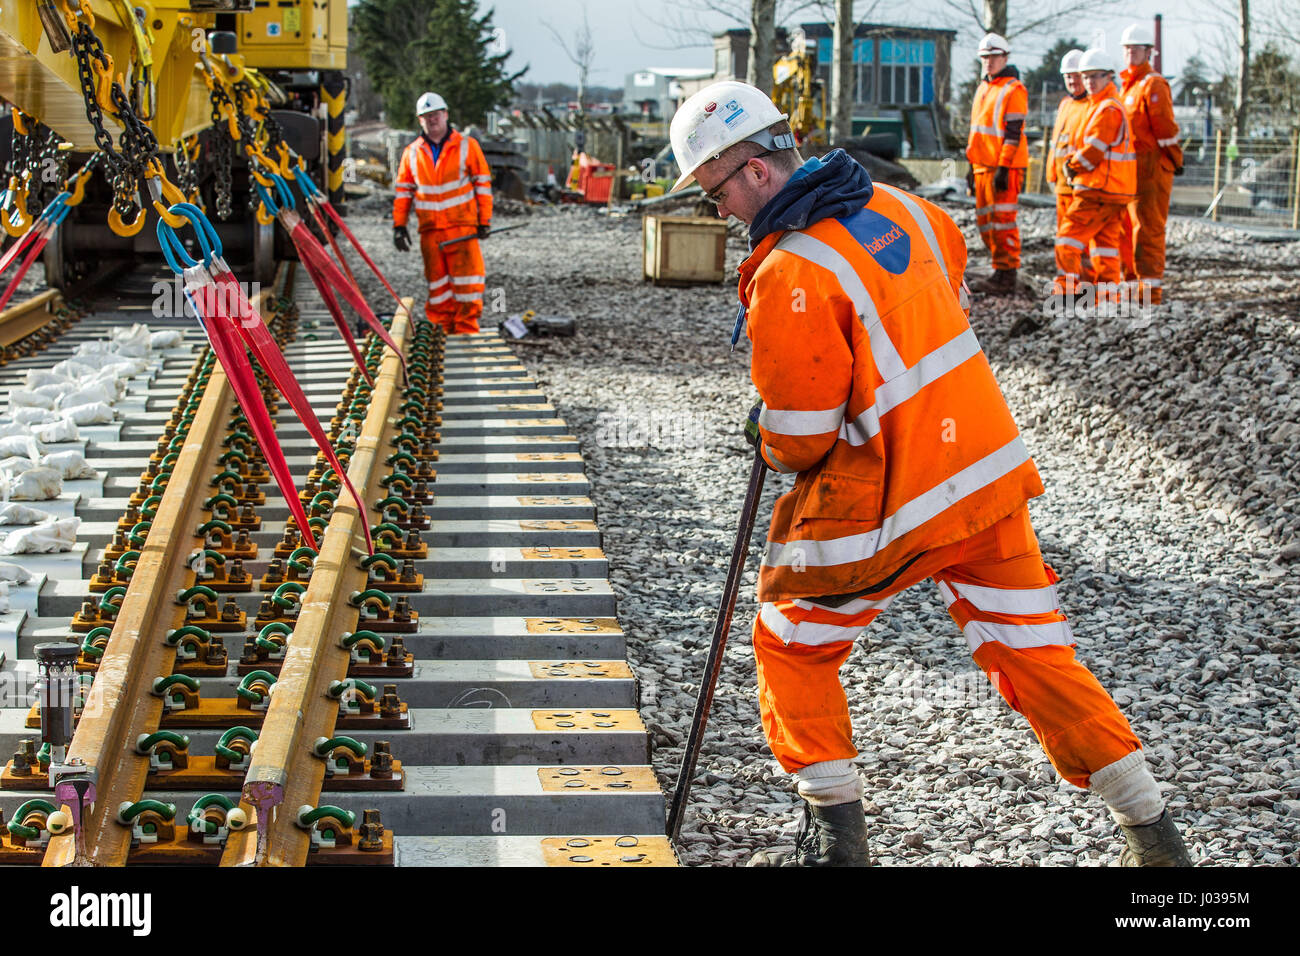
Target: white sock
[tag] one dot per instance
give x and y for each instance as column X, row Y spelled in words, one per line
column 1130, row 792
column 829, row 783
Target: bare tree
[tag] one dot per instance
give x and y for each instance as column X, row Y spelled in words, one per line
column 842, row 73
column 762, row 44
column 1046, row 16
column 582, row 53
column 1243, row 70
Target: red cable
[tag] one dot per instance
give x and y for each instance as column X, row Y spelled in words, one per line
column 336, row 313
column 357, row 245
column 33, row 251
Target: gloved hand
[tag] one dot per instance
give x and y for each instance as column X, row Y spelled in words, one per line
column 1002, row 179
column 751, row 425
column 970, row 181
column 401, row 239
column 1071, row 171
column 484, row 230
column 1178, row 170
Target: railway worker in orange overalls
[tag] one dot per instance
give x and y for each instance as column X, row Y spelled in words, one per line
column 998, row 154
column 1070, row 114
column 446, row 177
column 1101, row 174
column 1150, row 108
column 908, row 465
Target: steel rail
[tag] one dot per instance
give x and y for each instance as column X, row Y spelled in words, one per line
column 119, row 706
column 284, row 774
column 22, row 319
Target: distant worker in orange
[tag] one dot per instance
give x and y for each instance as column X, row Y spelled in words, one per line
column 446, row 177
column 1101, row 174
column 1150, row 108
column 999, row 155
column 1070, row 114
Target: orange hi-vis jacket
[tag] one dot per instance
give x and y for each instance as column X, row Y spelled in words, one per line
column 998, row 100
column 1150, row 108
column 452, row 192
column 1070, row 115
column 1105, row 164
column 878, row 394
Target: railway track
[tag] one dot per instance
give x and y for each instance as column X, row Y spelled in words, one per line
column 461, row 697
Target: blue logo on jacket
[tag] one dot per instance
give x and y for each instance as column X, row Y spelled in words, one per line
column 888, row 244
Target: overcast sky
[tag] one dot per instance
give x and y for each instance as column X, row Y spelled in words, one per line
column 628, row 39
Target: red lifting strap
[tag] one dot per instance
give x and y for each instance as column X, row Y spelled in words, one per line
column 40, row 236
column 334, row 246
column 336, row 313
column 226, row 343
column 264, row 347
column 333, row 213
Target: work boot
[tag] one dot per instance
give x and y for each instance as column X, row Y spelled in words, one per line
column 828, row 836
column 1001, row 282
column 1154, row 844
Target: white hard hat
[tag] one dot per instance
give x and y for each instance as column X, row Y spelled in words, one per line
column 1070, row 62
column 993, row 43
column 428, row 102
column 1137, row 34
column 1095, row 59
column 717, row 118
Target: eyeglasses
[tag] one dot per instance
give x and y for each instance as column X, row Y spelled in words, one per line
column 716, row 197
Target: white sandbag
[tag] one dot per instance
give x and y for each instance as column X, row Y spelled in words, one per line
column 56, row 391
column 124, row 367
column 70, row 464
column 17, row 464
column 74, row 370
column 95, row 413
column 26, row 398
column 37, row 377
column 14, row 573
column 19, row 446
column 48, row 537
column 97, row 392
column 35, row 484
column 13, row 428
column 131, row 342
column 32, row 416
column 167, row 339
column 15, row 513
column 60, row 430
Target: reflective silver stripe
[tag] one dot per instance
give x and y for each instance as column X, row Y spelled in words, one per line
column 963, row 296
column 912, row 515
column 439, row 283
column 1004, row 207
column 1083, row 161
column 1012, row 116
column 483, row 179
column 469, row 296
column 1152, row 281
column 1003, row 225
column 1122, row 157
column 797, row 423
column 987, row 227
column 889, row 396
column 483, row 190
column 1105, row 253
column 1067, row 241
column 468, row 280
column 819, row 253
column 922, row 223
column 1003, row 600
column 405, row 187
column 444, row 188
column 988, row 131
column 444, row 203
column 852, row 609
column 1017, row 635
column 1167, row 142
column 983, row 210
column 1101, row 144
column 435, row 299
column 806, row 632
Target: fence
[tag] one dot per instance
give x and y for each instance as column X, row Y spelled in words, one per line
column 547, row 140
column 1254, row 181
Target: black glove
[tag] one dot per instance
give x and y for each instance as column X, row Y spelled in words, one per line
column 484, row 230
column 1002, row 179
column 1178, row 170
column 751, row 425
column 970, row 181
column 401, row 239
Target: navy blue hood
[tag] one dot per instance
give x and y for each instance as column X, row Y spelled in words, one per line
column 836, row 186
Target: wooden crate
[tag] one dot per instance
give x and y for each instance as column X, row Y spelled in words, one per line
column 683, row 251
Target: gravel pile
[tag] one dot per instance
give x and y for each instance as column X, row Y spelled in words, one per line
column 1169, row 452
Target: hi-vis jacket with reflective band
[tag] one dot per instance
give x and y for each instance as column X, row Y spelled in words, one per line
column 454, row 192
column 1150, row 109
column 1104, row 159
column 996, row 101
column 1065, row 131
column 878, row 394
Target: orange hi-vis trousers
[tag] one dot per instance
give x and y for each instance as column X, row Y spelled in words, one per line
column 1087, row 221
column 1085, row 265
column 995, row 214
column 1142, row 236
column 456, row 279
column 1003, row 597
